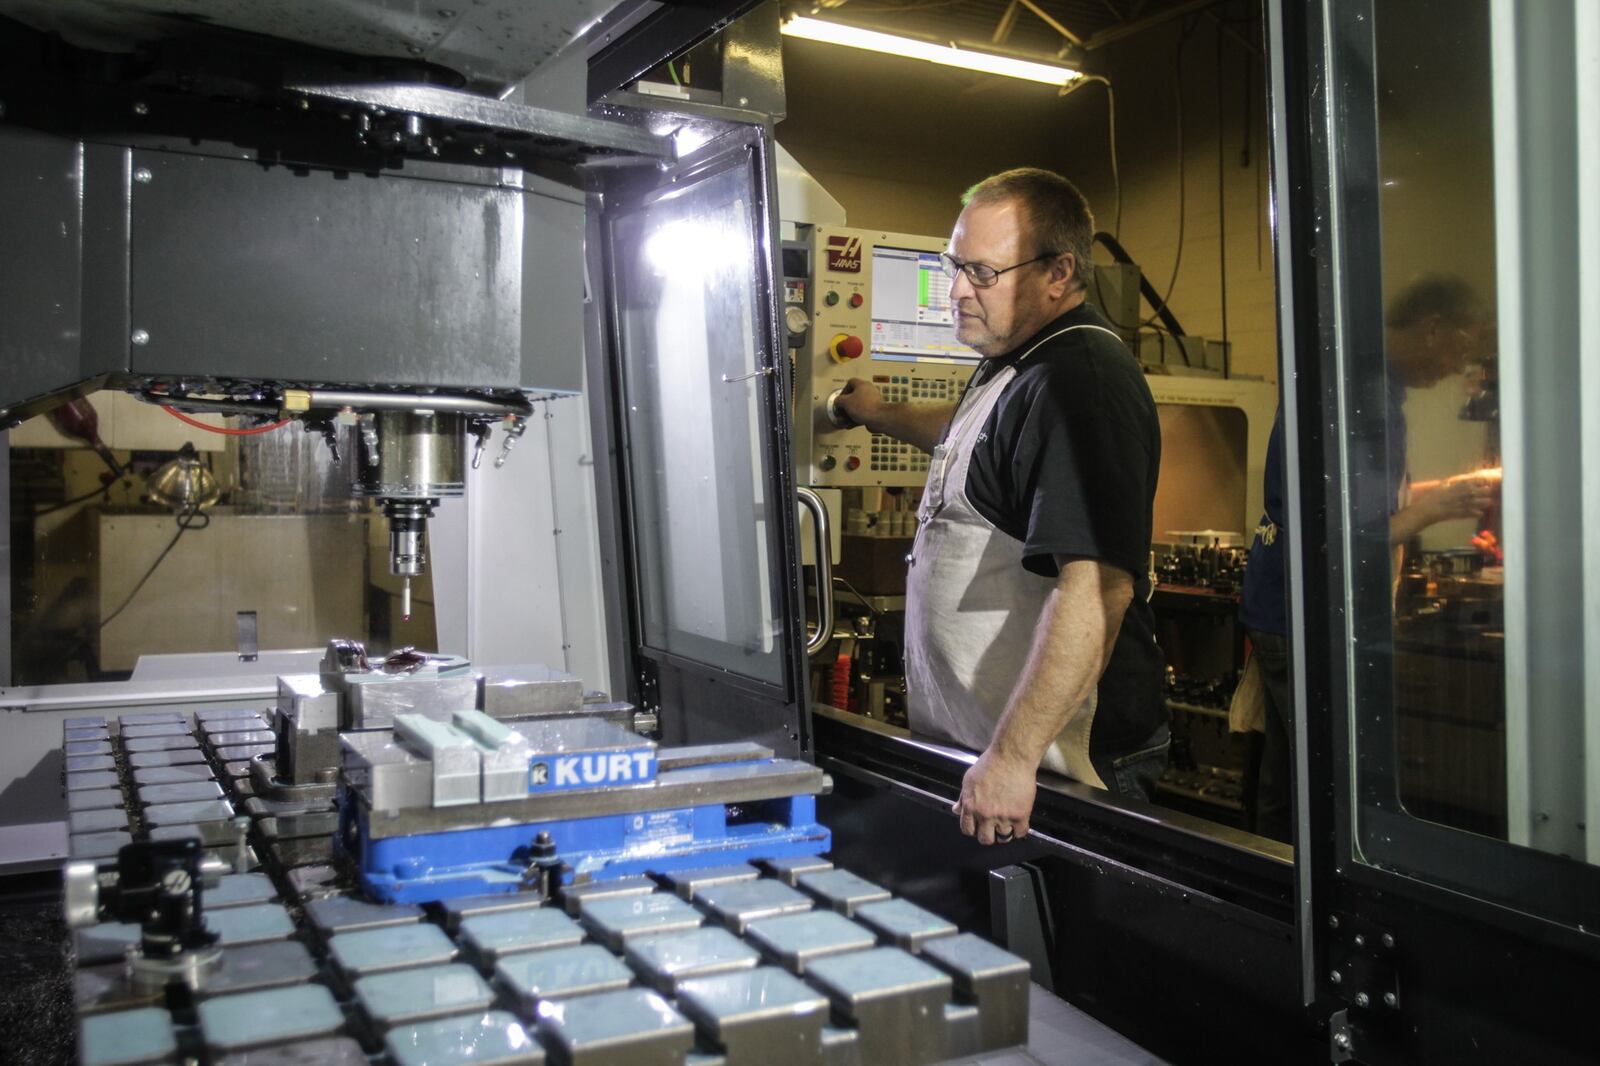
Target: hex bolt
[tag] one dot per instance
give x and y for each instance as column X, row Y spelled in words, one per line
column 139, row 337
column 1335, row 976
column 141, row 108
column 1362, row 1000
column 143, row 176
column 1333, row 921
column 1388, row 940
column 1361, row 941
column 1390, row 999
column 1341, row 1041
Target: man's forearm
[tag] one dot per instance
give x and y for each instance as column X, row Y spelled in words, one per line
column 919, row 424
column 1071, row 646
column 1407, row 523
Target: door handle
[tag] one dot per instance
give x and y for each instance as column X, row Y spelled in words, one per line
column 824, row 538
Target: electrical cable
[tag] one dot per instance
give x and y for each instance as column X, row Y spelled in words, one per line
column 1111, row 124
column 1160, row 309
column 224, row 430
column 1177, row 92
column 1222, row 215
column 64, row 504
column 185, row 523
column 852, row 589
column 1116, row 174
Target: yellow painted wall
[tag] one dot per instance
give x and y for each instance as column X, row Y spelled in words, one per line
column 896, row 141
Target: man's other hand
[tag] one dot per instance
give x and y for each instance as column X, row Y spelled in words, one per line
column 1461, row 497
column 861, row 402
column 996, row 799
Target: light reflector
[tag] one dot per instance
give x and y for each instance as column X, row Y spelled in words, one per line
column 948, row 55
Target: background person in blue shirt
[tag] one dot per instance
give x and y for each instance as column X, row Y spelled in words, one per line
column 1432, row 330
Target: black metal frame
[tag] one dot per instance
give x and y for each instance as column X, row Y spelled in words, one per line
column 699, row 702
column 1137, row 901
column 637, row 45
column 1473, row 981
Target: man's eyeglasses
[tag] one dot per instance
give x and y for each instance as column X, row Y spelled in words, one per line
column 981, row 274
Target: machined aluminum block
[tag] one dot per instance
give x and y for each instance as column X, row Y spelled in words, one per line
column 665, row 962
column 261, row 1019
column 493, row 1038
column 633, row 1027
column 488, row 938
column 540, row 976
column 735, row 904
column 762, row 1015
column 795, row 940
column 425, row 994
column 614, row 922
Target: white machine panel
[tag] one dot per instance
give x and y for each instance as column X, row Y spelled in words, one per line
column 880, row 311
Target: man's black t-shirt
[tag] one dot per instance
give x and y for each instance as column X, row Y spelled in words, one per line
column 1067, row 464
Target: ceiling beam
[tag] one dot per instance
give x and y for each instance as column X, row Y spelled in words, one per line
column 1051, row 21
column 1008, row 22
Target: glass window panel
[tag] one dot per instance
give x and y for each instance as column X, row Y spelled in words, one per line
column 1472, row 419
column 687, row 267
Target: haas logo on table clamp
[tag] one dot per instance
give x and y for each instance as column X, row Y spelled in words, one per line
column 844, row 254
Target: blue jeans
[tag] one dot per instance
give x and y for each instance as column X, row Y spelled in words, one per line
column 1134, row 775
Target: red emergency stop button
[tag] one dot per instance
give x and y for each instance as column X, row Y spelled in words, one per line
column 845, row 347
column 853, row 463
column 855, row 299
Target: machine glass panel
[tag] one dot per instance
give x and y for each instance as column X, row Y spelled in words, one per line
column 687, row 266
column 1471, row 417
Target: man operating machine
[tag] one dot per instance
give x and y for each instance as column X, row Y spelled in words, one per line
column 1028, row 635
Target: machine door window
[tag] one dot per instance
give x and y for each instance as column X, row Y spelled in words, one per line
column 692, row 327
column 1465, row 389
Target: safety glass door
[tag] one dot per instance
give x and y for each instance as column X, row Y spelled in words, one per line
column 703, row 472
column 1444, row 424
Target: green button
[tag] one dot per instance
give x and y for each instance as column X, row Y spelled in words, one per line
column 831, row 299
column 828, row 462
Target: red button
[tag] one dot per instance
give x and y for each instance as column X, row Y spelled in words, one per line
column 853, row 463
column 845, row 347
column 855, row 299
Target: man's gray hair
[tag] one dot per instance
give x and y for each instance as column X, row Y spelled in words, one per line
column 1057, row 211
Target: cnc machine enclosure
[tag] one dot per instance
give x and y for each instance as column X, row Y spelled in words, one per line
column 198, row 264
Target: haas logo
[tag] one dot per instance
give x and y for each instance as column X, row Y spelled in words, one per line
column 844, row 254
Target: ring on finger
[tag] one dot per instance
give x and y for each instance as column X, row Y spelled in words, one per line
column 1003, row 835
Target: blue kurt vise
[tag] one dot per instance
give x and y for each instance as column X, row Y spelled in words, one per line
column 440, row 809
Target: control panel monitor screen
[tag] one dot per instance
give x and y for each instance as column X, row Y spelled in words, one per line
column 911, row 318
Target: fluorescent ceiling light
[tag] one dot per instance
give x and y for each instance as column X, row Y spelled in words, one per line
column 949, row 55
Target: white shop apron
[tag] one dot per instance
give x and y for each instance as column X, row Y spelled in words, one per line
column 971, row 607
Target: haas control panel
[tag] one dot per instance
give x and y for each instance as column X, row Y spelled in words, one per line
column 879, row 309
